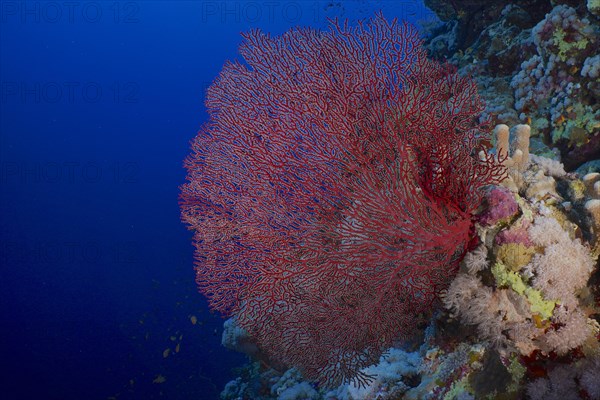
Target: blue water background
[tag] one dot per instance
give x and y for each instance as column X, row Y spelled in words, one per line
column 98, row 103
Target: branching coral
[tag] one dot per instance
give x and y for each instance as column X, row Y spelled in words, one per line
column 332, row 193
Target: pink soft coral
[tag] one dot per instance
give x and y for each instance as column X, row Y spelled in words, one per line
column 501, row 206
column 518, row 233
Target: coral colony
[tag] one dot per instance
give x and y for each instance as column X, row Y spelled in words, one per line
column 369, row 232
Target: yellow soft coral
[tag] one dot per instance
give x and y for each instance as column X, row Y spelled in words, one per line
column 515, row 255
column 513, row 280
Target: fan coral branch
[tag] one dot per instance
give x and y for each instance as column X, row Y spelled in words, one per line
column 331, row 192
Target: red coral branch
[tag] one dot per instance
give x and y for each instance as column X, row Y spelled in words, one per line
column 331, row 193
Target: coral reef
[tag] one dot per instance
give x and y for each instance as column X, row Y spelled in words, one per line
column 521, row 319
column 475, row 16
column 536, row 69
column 525, row 288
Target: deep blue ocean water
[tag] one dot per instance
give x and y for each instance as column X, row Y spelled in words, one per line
column 98, row 103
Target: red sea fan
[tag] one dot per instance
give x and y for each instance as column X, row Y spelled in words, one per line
column 331, row 192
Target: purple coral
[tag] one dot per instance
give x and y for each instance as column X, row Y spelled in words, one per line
column 501, row 206
column 515, row 234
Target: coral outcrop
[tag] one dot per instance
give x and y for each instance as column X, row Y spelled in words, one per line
column 522, row 316
column 542, row 70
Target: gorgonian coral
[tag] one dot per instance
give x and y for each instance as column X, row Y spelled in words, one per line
column 331, row 192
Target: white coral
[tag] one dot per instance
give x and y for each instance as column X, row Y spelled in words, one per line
column 469, row 298
column 476, row 260
column 566, row 264
column 546, row 231
column 476, row 304
column 573, row 332
column 551, row 167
